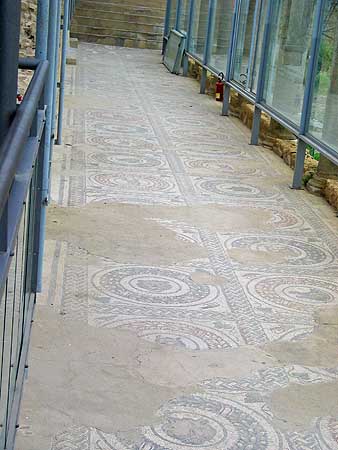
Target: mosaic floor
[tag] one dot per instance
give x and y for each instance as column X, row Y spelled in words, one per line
column 168, row 228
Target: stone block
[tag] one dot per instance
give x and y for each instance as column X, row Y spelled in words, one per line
column 73, row 42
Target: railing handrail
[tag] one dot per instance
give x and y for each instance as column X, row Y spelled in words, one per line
column 18, row 132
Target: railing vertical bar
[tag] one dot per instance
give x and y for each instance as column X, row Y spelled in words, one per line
column 56, row 76
column 63, row 70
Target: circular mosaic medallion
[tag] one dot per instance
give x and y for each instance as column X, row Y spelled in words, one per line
column 154, row 286
column 328, row 432
column 118, row 142
column 222, row 166
column 293, row 292
column 128, row 160
column 293, row 251
column 235, row 189
column 135, row 183
column 204, row 423
column 180, row 334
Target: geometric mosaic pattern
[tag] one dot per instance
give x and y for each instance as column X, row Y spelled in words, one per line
column 156, row 142
column 227, row 414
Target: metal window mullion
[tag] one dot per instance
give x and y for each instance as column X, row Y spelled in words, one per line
column 188, row 39
column 230, row 58
column 308, row 93
column 166, row 24
column 208, row 41
column 254, row 36
column 262, row 74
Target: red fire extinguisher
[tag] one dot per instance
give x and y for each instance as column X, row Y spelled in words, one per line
column 220, row 87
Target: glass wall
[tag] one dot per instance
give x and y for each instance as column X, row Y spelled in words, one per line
column 221, row 34
column 199, row 27
column 288, row 56
column 324, row 114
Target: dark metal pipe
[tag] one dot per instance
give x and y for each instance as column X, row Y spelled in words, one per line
column 28, row 63
column 18, row 132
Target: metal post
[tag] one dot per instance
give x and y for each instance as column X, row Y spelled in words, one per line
column 178, row 14
column 166, row 25
column 49, row 90
column 63, row 69
column 208, row 42
column 41, row 53
column 261, row 75
column 231, row 54
column 42, row 29
column 308, row 94
column 9, row 59
column 188, row 40
column 57, row 51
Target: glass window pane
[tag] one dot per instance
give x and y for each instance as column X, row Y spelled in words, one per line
column 289, row 48
column 259, row 43
column 222, row 34
column 244, row 41
column 172, row 19
column 184, row 16
column 199, row 27
column 324, row 115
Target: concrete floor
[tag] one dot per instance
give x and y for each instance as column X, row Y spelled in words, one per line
column 190, row 297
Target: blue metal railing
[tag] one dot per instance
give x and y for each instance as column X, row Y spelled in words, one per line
column 262, row 26
column 26, row 143
column 20, row 167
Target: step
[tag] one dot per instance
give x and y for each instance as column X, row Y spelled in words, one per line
column 118, row 41
column 116, row 24
column 125, row 34
column 128, row 16
column 118, row 7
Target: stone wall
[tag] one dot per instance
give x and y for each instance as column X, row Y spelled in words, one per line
column 27, row 39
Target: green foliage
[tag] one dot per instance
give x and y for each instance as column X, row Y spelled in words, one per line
column 326, row 55
column 313, row 153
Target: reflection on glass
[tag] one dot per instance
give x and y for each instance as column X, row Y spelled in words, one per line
column 184, row 19
column 172, row 18
column 324, row 115
column 288, row 55
column 199, row 27
column 243, row 52
column 259, row 42
column 221, row 34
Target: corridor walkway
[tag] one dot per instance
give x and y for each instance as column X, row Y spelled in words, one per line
column 190, row 297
